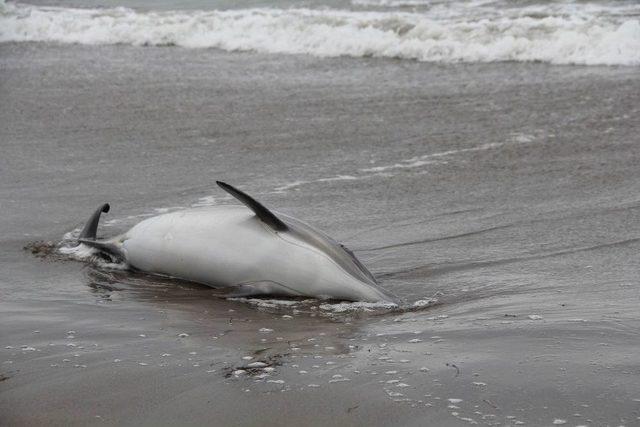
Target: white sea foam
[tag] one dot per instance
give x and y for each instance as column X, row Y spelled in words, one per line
column 80, row 251
column 386, row 170
column 579, row 35
column 327, row 307
column 391, row 3
column 267, row 303
column 346, row 307
column 70, row 248
column 296, row 184
column 423, row 160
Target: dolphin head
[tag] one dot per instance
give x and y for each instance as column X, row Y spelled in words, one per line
column 350, row 278
column 317, row 265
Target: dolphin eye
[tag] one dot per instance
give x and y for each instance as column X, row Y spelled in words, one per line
column 346, row 249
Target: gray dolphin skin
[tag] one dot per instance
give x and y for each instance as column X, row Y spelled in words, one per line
column 255, row 251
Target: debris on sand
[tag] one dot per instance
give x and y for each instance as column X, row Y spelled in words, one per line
column 256, row 368
column 40, row 248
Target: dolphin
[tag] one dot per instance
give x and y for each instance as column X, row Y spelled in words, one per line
column 255, row 251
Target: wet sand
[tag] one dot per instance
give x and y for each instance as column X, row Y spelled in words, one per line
column 507, row 192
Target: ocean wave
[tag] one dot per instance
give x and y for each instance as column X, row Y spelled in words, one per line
column 391, row 3
column 580, row 38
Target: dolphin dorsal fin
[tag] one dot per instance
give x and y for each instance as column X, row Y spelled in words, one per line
column 261, row 212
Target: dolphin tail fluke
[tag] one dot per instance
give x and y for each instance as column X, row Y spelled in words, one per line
column 88, row 236
column 107, row 246
column 91, row 227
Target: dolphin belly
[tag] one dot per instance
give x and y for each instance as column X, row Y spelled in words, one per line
column 222, row 246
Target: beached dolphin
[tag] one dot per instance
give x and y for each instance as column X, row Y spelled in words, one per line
column 256, row 251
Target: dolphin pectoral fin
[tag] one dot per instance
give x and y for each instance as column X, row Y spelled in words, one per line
column 91, row 227
column 261, row 288
column 261, row 212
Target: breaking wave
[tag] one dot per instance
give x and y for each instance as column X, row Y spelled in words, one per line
column 586, row 37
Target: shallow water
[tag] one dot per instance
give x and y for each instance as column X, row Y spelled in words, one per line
column 507, row 192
